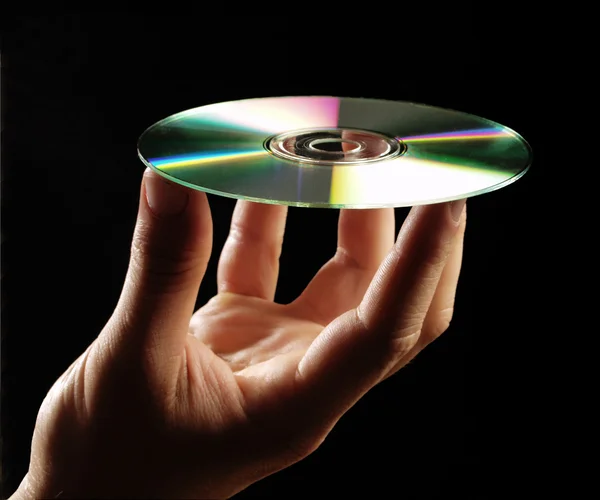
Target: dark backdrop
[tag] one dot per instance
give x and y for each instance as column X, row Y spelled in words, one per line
column 77, row 92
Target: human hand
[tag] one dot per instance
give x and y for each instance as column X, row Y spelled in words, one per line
column 163, row 407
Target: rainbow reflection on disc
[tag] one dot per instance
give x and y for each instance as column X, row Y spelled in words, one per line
column 334, row 152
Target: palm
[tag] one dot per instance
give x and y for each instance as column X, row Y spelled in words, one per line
column 254, row 344
column 248, row 331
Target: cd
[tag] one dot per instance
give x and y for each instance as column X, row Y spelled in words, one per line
column 334, row 152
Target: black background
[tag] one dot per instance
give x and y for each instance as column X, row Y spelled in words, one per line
column 78, row 91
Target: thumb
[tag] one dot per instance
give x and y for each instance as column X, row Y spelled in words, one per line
column 170, row 251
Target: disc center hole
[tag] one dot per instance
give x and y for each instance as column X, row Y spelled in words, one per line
column 335, row 145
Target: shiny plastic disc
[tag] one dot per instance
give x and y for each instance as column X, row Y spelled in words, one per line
column 334, row 152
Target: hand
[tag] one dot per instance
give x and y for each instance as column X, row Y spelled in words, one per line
column 163, row 407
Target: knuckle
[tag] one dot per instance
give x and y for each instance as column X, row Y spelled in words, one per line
column 248, row 236
column 404, row 340
column 346, row 259
column 431, row 254
column 160, row 266
column 439, row 324
column 297, row 449
column 394, row 342
column 436, row 262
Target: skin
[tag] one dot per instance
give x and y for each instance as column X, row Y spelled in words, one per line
column 168, row 403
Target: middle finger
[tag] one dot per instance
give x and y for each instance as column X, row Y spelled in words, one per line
column 364, row 238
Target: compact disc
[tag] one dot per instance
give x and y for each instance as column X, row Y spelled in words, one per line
column 334, row 152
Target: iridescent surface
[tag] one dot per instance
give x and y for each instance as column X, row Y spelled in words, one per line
column 448, row 155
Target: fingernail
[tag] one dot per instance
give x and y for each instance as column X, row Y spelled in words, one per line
column 456, row 209
column 164, row 197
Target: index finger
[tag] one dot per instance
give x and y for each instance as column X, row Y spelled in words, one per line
column 357, row 349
